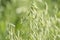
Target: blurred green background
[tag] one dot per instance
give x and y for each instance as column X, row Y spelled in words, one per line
column 29, row 19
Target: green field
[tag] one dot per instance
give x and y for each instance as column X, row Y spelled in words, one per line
column 29, row 19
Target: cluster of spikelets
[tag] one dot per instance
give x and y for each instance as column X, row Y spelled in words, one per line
column 35, row 22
